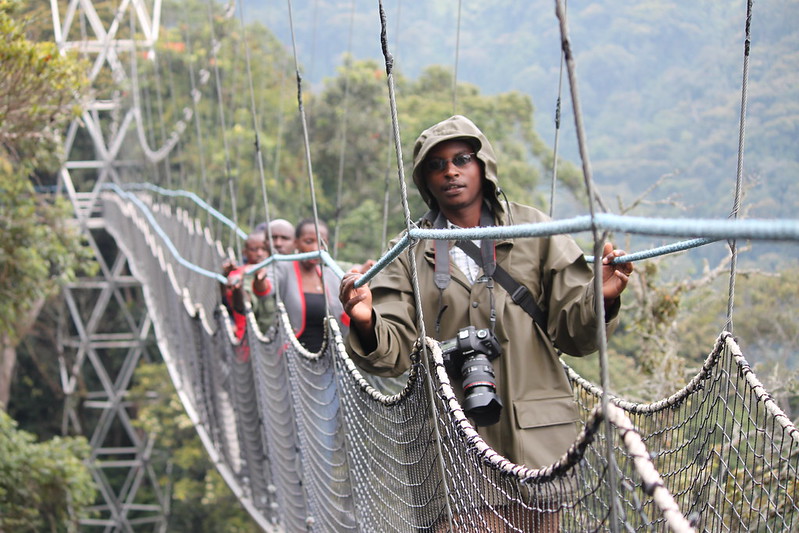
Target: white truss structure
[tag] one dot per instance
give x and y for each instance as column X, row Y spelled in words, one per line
column 96, row 364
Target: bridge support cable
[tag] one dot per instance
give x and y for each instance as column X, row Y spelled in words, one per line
column 455, row 61
column 343, row 135
column 423, row 358
column 556, row 144
column 259, row 157
column 740, row 163
column 599, row 239
column 389, row 146
column 215, row 45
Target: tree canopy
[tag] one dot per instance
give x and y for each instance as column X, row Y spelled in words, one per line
column 43, row 486
column 41, row 246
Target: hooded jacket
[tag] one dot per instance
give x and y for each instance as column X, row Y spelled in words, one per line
column 538, row 420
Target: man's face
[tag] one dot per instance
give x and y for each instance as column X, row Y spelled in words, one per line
column 255, row 250
column 283, row 238
column 454, row 176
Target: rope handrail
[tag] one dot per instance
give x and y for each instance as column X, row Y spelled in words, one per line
column 713, row 230
column 323, row 255
column 675, row 399
column 169, row 244
column 184, row 194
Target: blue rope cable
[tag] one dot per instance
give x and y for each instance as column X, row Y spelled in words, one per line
column 713, row 231
column 323, row 255
column 381, row 263
column 774, row 230
column 186, row 194
column 167, row 241
column 655, row 252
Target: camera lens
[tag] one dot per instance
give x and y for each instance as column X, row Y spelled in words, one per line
column 480, row 402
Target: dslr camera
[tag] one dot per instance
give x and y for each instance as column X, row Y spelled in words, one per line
column 469, row 355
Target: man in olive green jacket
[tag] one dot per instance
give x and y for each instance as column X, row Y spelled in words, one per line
column 455, row 171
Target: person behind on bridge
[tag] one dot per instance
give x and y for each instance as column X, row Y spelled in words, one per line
column 455, row 171
column 282, row 235
column 307, row 289
column 255, row 250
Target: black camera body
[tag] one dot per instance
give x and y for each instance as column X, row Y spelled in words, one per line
column 469, row 354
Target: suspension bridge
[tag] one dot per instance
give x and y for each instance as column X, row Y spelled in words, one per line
column 309, row 443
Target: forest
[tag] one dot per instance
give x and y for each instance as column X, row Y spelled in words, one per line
column 661, row 85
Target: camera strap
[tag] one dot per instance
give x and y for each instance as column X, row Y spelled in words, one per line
column 520, row 294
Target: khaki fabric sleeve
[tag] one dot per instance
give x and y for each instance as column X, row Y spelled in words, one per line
column 395, row 323
column 569, row 282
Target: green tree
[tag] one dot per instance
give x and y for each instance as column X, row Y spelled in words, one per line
column 358, row 96
column 44, row 486
column 40, row 247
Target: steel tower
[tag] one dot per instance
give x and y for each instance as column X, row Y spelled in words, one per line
column 106, row 330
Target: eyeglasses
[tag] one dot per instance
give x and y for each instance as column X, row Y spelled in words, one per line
column 436, row 164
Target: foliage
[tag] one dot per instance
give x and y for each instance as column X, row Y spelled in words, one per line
column 36, row 399
column 40, row 88
column 44, row 486
column 202, row 502
column 40, row 247
column 764, row 323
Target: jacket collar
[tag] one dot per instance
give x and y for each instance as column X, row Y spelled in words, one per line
column 432, row 219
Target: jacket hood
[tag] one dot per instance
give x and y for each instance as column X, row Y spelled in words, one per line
column 460, row 128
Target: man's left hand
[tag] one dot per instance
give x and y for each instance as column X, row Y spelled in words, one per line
column 614, row 275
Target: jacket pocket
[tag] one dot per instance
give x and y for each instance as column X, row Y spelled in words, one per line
column 544, row 412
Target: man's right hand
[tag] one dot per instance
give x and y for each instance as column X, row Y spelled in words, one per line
column 357, row 302
column 358, row 305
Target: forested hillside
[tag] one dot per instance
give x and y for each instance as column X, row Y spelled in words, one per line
column 660, row 84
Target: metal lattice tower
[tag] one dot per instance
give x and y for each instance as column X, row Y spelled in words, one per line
column 106, row 333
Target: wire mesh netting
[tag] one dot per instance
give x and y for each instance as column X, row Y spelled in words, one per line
column 308, row 443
